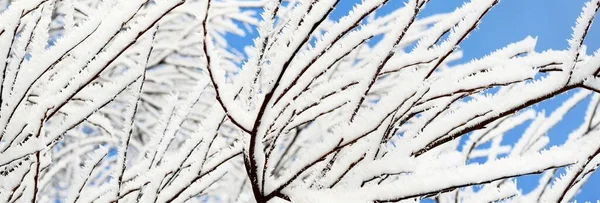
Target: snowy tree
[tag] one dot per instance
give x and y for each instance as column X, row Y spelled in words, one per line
column 144, row 101
column 73, row 70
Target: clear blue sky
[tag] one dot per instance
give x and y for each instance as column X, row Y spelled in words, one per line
column 510, row 21
column 551, row 22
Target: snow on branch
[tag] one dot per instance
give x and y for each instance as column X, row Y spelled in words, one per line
column 148, row 101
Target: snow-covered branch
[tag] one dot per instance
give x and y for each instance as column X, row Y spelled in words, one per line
column 146, row 101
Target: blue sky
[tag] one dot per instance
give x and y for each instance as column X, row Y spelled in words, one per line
column 512, row 20
column 550, row 21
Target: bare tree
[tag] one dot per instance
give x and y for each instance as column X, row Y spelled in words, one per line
column 144, row 101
